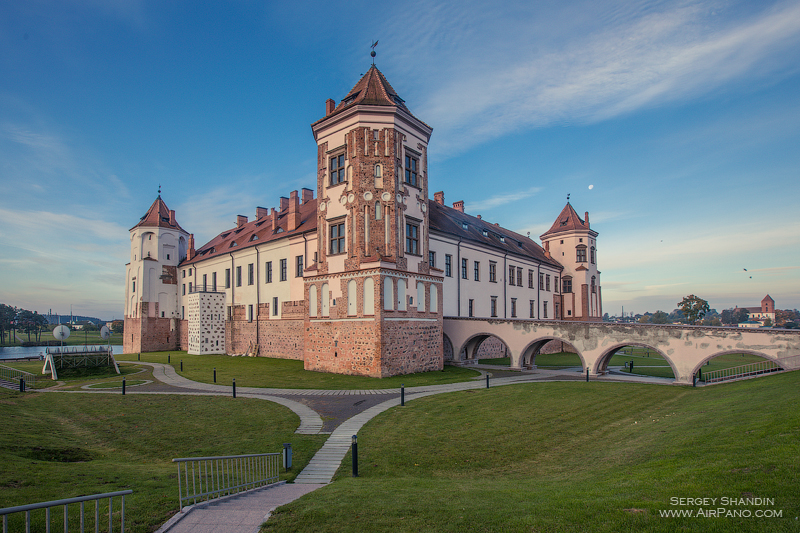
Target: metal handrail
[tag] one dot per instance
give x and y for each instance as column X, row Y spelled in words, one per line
column 742, row 371
column 12, row 374
column 80, row 499
column 214, row 477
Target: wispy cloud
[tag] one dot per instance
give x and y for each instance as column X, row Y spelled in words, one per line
column 501, row 200
column 613, row 58
column 46, row 221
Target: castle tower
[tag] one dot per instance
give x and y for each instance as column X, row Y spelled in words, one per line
column 573, row 243
column 158, row 244
column 372, row 282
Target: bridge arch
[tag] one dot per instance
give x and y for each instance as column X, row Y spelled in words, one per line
column 602, row 362
column 447, row 349
column 529, row 353
column 473, row 343
column 737, row 351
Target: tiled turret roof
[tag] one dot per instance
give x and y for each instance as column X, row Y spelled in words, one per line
column 158, row 216
column 568, row 220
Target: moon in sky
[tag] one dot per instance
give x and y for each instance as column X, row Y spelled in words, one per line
column 591, row 187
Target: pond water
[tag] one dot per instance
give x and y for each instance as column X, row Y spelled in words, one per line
column 15, row 352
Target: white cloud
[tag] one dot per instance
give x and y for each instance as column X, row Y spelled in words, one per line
column 500, row 200
column 611, row 58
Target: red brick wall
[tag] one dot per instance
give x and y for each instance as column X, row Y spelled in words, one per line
column 411, row 347
column 282, row 339
column 347, row 347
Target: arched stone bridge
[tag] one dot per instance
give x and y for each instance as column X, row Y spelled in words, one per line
column 685, row 348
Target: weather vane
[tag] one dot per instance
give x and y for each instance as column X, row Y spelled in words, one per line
column 567, row 197
column 159, row 189
column 373, row 54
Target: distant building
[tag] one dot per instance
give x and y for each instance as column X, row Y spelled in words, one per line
column 358, row 279
column 759, row 315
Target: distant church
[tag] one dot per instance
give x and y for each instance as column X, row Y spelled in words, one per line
column 359, row 279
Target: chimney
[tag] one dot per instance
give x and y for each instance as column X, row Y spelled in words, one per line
column 241, row 220
column 586, row 219
column 273, row 215
column 172, row 218
column 261, row 212
column 458, row 206
column 439, row 197
column 330, row 105
column 284, row 204
column 307, row 195
column 190, row 253
column 479, row 217
column 293, row 220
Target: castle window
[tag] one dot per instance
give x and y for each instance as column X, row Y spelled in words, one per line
column 375, row 135
column 250, row 313
column 412, row 163
column 133, row 289
column 213, row 282
column 580, row 254
column 283, row 270
column 471, row 308
column 544, row 310
column 511, row 271
column 448, row 265
column 432, row 259
column 513, row 308
column 547, row 283
column 190, row 286
column 378, row 171
column 184, row 272
column 205, row 286
column 533, row 308
column 494, row 306
column 183, row 290
column 337, row 169
column 238, row 276
column 591, row 255
column 541, row 281
column 530, row 279
column 268, row 272
column 299, row 267
column 274, row 306
column 412, row 238
column 464, row 269
column 594, row 286
column 566, row 285
column 492, row 272
column 477, row 268
column 519, row 276
column 250, row 274
column 227, row 278
column 337, row 238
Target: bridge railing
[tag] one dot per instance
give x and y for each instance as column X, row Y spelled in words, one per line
column 66, row 503
column 207, row 478
column 739, row 372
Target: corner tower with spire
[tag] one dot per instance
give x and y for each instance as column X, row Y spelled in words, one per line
column 152, row 316
column 571, row 242
column 372, row 294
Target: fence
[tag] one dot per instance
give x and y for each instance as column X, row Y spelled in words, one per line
column 14, row 375
column 206, row 478
column 740, row 372
column 82, row 500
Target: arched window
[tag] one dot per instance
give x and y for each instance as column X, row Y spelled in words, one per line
column 352, row 299
column 594, row 286
column 312, row 300
column 369, row 296
column 580, row 254
column 326, row 296
column 401, row 295
column 388, row 294
column 378, row 171
column 591, row 255
column 420, row 297
column 566, row 284
column 434, row 307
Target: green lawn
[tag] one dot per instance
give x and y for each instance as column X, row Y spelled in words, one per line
column 62, row 445
column 288, row 373
column 574, row 457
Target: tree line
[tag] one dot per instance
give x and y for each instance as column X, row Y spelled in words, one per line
column 13, row 320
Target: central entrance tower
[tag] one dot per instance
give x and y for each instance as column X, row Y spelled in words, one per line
column 374, row 306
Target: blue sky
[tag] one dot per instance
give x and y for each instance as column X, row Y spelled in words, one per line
column 675, row 124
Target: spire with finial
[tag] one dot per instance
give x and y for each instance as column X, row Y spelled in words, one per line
column 567, row 197
column 373, row 54
column 159, row 189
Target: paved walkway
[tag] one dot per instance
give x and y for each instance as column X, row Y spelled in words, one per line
column 245, row 512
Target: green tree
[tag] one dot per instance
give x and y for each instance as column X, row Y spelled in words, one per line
column 740, row 315
column 7, row 315
column 768, row 323
column 693, row 308
column 118, row 326
column 659, row 317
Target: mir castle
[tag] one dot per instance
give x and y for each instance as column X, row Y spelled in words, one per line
column 359, row 279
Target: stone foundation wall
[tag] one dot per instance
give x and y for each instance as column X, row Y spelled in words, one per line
column 151, row 334
column 491, row 348
column 343, row 347
column 411, row 347
column 282, row 339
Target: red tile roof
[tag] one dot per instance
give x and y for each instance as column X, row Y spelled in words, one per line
column 258, row 231
column 158, row 216
column 568, row 220
column 451, row 221
column 372, row 89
